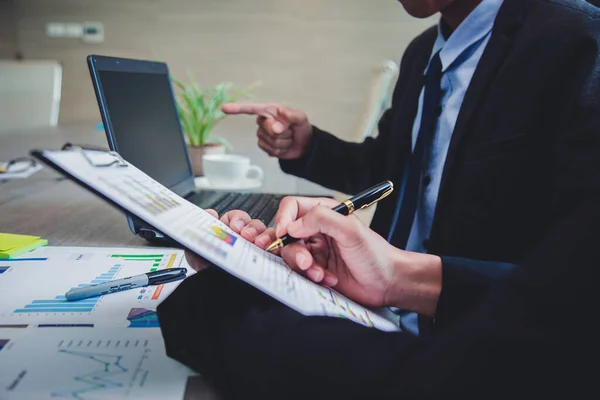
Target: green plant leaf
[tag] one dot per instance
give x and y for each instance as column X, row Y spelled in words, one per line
column 179, row 84
column 200, row 110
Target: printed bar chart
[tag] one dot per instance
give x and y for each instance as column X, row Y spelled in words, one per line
column 60, row 304
column 154, row 202
column 156, row 259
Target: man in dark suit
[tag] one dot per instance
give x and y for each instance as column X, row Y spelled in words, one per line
column 513, row 146
column 513, row 344
column 520, row 184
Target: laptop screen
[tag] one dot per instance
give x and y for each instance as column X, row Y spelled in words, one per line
column 144, row 124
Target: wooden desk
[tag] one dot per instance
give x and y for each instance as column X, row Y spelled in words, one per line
column 52, row 207
column 46, row 205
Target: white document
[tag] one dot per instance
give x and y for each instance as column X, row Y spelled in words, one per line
column 32, row 287
column 200, row 232
column 83, row 363
column 21, row 168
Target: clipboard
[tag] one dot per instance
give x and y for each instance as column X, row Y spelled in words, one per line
column 118, row 161
column 106, row 174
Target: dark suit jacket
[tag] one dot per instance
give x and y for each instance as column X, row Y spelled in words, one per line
column 519, row 155
column 522, row 178
column 532, row 337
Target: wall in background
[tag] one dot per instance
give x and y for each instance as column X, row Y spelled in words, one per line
column 318, row 55
column 8, row 29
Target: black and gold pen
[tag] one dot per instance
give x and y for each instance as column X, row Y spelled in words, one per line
column 362, row 200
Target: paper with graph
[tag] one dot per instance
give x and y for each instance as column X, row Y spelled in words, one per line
column 83, row 363
column 197, row 230
column 49, row 272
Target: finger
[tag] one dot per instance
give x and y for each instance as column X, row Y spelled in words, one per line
column 276, row 141
column 196, row 262
column 263, row 131
column 316, row 274
column 301, row 260
column 261, row 109
column 270, row 150
column 319, row 248
column 292, row 116
column 297, row 254
column 277, row 119
column 267, row 124
column 346, row 230
column 276, row 125
column 212, row 213
column 291, row 208
column 260, row 120
column 288, row 254
column 253, row 229
column 266, row 238
column 330, row 279
column 236, row 220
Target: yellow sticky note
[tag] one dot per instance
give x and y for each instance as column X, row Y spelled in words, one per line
column 13, row 245
column 10, row 240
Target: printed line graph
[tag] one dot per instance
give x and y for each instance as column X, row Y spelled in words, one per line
column 108, row 368
column 103, row 374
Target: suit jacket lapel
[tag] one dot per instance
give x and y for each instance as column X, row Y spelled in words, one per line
column 507, row 22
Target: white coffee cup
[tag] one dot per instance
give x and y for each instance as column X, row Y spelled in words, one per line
column 229, row 170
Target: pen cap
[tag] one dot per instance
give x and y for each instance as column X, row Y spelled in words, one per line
column 166, row 275
column 372, row 195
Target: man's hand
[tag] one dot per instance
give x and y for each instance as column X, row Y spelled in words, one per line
column 240, row 222
column 282, row 132
column 340, row 251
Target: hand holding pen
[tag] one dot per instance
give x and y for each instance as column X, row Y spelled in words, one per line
column 340, row 251
column 360, row 201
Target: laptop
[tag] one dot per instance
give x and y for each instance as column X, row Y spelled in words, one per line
column 139, row 113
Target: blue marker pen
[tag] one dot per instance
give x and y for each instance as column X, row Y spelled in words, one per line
column 131, row 282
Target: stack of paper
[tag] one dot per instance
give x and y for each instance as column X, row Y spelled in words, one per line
column 12, row 245
column 19, row 170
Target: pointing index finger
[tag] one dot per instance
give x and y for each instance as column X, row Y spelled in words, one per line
column 262, row 109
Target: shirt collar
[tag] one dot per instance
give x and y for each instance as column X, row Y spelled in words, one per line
column 474, row 28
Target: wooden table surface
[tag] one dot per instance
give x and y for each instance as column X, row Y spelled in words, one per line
column 49, row 206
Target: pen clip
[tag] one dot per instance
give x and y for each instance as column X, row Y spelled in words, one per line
column 383, row 195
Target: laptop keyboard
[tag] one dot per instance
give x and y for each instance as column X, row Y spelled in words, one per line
column 261, row 206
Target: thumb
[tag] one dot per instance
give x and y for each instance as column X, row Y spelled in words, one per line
column 345, row 230
column 276, row 126
column 293, row 116
column 285, row 118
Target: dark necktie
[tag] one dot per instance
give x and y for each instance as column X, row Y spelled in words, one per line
column 415, row 164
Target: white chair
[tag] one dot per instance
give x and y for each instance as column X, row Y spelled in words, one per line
column 379, row 100
column 29, row 94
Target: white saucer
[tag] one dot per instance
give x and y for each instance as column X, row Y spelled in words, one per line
column 248, row 184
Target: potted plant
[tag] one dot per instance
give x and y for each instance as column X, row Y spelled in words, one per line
column 199, row 112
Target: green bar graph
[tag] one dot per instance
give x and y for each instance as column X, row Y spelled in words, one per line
column 156, row 258
column 138, row 255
